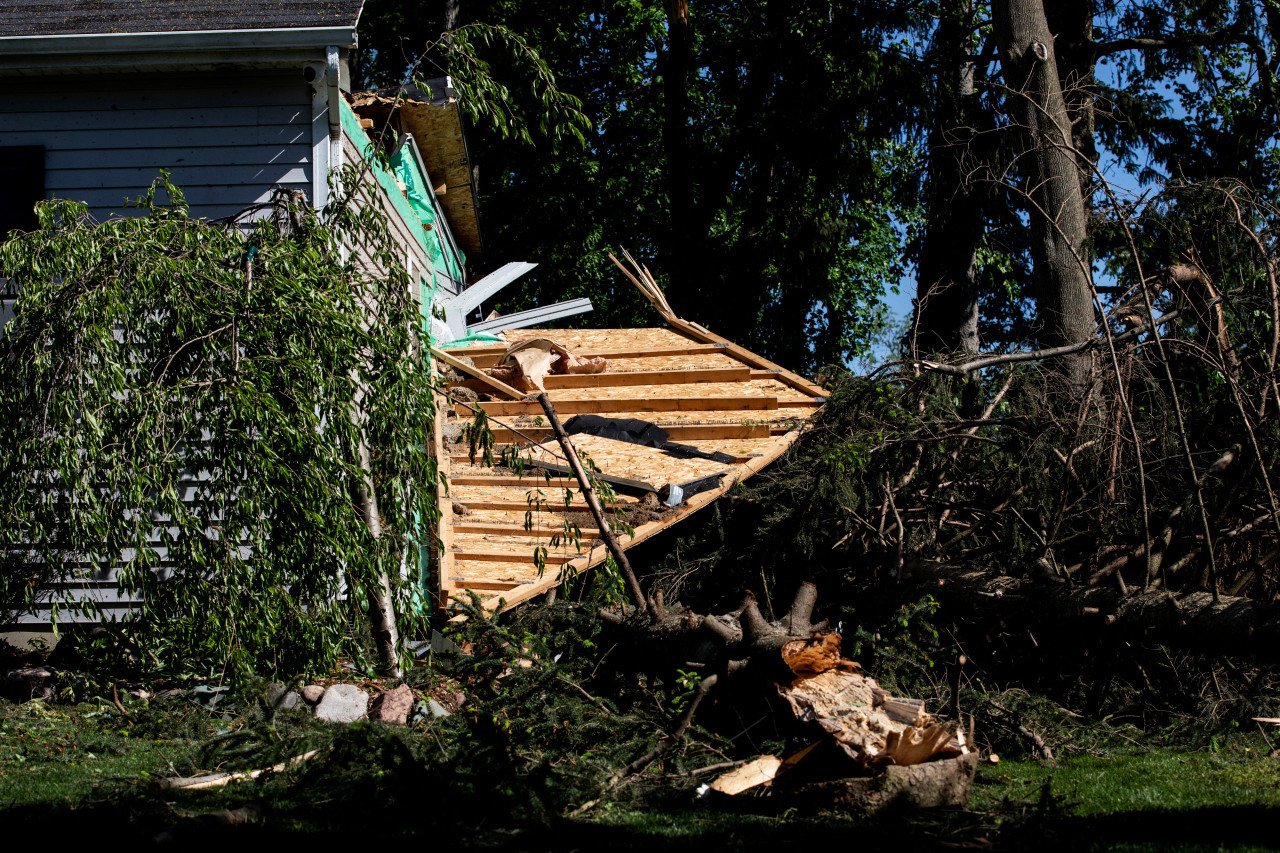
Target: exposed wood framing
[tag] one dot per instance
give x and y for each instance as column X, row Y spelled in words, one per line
column 710, row 396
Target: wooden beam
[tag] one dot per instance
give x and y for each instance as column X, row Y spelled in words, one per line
column 614, row 479
column 523, row 506
column 744, row 355
column 497, row 604
column 640, row 377
column 442, row 540
column 478, row 374
column 677, row 432
column 489, row 356
column 498, row 529
column 639, row 404
column 485, row 555
column 533, row 481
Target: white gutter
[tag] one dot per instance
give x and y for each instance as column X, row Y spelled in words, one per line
column 108, row 43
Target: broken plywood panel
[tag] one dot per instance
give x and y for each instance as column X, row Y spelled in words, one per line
column 712, row 422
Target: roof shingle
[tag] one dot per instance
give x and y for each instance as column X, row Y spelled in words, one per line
column 82, row 17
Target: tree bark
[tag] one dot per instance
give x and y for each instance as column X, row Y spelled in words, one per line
column 382, row 611
column 946, row 318
column 676, row 67
column 1059, row 222
column 1191, row 620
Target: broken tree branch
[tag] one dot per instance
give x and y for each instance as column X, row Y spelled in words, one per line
column 597, row 512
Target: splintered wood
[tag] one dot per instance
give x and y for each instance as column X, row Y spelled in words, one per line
column 514, row 537
column 871, row 726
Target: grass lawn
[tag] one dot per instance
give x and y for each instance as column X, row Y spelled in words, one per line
column 82, row 771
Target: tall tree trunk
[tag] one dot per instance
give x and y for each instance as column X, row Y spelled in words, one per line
column 676, row 67
column 382, row 610
column 1059, row 223
column 946, row 318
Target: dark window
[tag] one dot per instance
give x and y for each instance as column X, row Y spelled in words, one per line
column 21, row 186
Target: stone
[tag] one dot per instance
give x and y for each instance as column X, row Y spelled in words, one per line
column 436, row 709
column 27, row 683
column 208, row 696
column 312, row 693
column 281, row 698
column 342, row 703
column 393, row 707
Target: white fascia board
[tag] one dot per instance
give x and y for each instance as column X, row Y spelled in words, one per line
column 470, row 299
column 202, row 40
column 534, row 316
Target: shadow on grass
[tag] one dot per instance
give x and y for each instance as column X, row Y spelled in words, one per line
column 291, row 815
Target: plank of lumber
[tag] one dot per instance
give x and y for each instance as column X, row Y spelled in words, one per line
column 692, row 376
column 490, row 356
column 479, row 375
column 488, row 585
column 497, row 604
column 441, row 543
column 677, row 432
column 486, row 555
column 744, row 355
column 649, row 377
column 646, row 404
column 522, row 506
column 497, row 528
column 533, row 481
column 614, row 479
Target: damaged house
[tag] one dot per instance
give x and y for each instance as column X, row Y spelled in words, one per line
column 236, row 101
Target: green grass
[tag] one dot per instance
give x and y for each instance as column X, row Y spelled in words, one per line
column 82, row 770
column 1152, row 780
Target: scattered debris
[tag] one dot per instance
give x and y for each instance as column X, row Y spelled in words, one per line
column 814, row 656
column 27, row 683
column 525, row 363
column 342, row 703
column 748, row 776
column 217, row 780
column 870, row 725
column 208, row 696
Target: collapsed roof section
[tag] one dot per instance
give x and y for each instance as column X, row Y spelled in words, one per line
column 431, row 116
column 722, row 412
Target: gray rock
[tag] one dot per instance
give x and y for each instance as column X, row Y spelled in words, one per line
column 31, row 682
column 208, row 696
column 281, row 698
column 312, row 693
column 342, row 703
column 393, row 706
column 436, row 709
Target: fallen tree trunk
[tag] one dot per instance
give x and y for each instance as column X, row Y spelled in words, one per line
column 1236, row 625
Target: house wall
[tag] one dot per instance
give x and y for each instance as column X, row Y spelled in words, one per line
column 377, row 187
column 226, row 139
column 227, row 143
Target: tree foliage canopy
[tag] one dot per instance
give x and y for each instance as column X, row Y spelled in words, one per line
column 185, row 402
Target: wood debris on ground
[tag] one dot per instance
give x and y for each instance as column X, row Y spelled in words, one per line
column 884, row 741
column 869, row 724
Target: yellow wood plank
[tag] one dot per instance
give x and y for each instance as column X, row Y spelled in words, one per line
column 651, row 404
